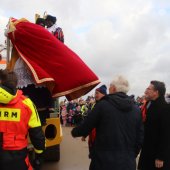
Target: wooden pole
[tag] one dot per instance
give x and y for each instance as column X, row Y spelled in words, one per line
column 8, row 50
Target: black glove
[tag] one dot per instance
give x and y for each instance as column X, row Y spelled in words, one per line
column 37, row 163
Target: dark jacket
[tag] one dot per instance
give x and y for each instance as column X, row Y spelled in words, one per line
column 157, row 136
column 119, row 133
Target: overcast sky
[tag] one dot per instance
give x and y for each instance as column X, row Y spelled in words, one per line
column 129, row 37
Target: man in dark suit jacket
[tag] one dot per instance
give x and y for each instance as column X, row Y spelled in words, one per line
column 155, row 152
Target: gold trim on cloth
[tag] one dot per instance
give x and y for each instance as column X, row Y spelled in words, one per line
column 38, row 81
column 76, row 89
column 12, row 23
column 20, row 20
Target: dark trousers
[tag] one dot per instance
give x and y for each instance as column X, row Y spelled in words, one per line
column 13, row 160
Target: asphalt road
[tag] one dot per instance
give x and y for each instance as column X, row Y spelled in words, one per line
column 73, row 154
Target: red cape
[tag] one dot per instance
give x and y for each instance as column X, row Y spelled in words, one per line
column 50, row 61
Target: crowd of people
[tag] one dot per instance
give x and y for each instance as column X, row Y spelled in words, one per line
column 75, row 111
column 125, row 129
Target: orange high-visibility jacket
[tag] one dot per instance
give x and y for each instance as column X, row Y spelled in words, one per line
column 17, row 116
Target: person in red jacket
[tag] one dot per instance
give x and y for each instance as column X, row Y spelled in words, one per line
column 18, row 118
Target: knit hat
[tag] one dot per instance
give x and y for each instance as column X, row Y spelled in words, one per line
column 102, row 89
column 51, row 18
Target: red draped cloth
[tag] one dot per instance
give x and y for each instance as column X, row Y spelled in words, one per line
column 50, row 61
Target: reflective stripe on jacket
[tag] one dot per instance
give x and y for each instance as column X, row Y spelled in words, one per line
column 16, row 117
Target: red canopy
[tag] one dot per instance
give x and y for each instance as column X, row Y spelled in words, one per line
column 50, row 61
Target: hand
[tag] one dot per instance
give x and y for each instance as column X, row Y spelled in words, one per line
column 159, row 163
column 37, row 163
column 83, row 138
